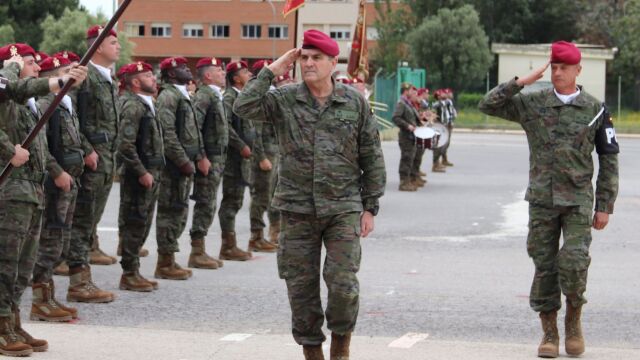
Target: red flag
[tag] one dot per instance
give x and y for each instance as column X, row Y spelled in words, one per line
column 291, row 6
column 358, row 66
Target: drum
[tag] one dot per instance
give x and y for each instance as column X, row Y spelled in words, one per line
column 443, row 133
column 426, row 137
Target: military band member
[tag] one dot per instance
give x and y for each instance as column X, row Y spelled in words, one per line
column 407, row 119
column 66, row 145
column 22, row 195
column 453, row 114
column 237, row 172
column 563, row 125
column 96, row 101
column 141, row 150
column 213, row 125
column 444, row 117
column 331, row 176
column 184, row 147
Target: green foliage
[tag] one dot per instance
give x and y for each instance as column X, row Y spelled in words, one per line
column 468, row 100
column 460, row 59
column 69, row 33
column 626, row 32
column 6, row 34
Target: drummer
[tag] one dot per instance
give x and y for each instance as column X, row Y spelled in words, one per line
column 407, row 118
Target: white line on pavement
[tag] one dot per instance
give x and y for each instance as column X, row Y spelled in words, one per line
column 408, row 340
column 236, row 337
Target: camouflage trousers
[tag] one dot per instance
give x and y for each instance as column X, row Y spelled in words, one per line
column 20, row 224
column 559, row 269
column 264, row 185
column 92, row 199
column 442, row 151
column 173, row 209
column 301, row 240
column 410, row 156
column 205, row 193
column 137, row 206
column 55, row 235
column 233, row 186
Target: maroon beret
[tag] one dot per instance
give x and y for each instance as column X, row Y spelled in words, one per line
column 134, row 68
column 565, row 52
column 237, row 65
column 41, row 56
column 53, row 63
column 258, row 65
column 95, row 31
column 209, row 61
column 68, row 55
column 11, row 50
column 172, row 62
column 314, row 39
column 422, row 91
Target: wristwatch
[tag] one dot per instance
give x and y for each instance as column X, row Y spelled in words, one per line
column 373, row 210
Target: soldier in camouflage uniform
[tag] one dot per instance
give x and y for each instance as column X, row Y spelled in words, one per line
column 184, row 146
column 332, row 174
column 212, row 123
column 141, row 150
column 442, row 110
column 66, row 145
column 98, row 115
column 563, row 125
column 265, row 167
column 22, row 194
column 237, row 171
column 407, row 119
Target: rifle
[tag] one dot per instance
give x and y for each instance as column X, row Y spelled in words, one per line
column 56, row 101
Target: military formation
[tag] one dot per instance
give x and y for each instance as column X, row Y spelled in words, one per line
column 414, row 111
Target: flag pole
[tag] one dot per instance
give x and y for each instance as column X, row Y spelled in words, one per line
column 295, row 40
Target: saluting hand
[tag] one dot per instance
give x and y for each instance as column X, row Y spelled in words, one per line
column 533, row 77
column 285, row 62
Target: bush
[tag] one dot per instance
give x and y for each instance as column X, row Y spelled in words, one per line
column 468, row 100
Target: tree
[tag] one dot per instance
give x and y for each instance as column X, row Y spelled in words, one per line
column 6, row 34
column 392, row 28
column 626, row 32
column 24, row 15
column 461, row 58
column 69, row 33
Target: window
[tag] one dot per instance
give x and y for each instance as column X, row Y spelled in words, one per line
column 372, row 33
column 134, row 29
column 278, row 31
column 219, row 31
column 161, row 30
column 251, row 31
column 340, row 33
column 192, row 30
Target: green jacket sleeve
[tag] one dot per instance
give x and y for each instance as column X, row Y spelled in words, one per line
column 129, row 127
column 370, row 159
column 607, row 183
column 234, row 139
column 256, row 101
column 258, row 146
column 166, row 106
column 398, row 116
column 504, row 101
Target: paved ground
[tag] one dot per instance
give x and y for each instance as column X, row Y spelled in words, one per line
column 444, row 276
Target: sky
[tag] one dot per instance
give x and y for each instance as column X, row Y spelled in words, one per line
column 94, row 5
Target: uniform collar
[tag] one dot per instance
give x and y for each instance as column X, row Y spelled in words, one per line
column 554, row 101
column 183, row 90
column 105, row 72
column 148, row 99
column 216, row 90
column 338, row 95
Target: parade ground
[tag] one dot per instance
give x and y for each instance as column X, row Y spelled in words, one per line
column 445, row 275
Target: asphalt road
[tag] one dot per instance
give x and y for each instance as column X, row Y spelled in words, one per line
column 448, row 261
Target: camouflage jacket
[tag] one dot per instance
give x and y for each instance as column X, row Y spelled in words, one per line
column 140, row 144
column 331, row 157
column 212, row 121
column 66, row 142
column 97, row 103
column 182, row 139
column 405, row 115
column 242, row 131
column 266, row 141
column 561, row 139
column 16, row 121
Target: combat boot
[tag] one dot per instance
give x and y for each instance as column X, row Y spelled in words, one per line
column 274, row 232
column 313, row 352
column 43, row 308
column 166, row 268
column 131, row 280
column 99, row 257
column 62, row 269
column 550, row 344
column 142, row 253
column 38, row 345
column 573, row 342
column 229, row 250
column 445, row 161
column 422, row 173
column 438, row 168
column 418, row 182
column 71, row 310
column 199, row 258
column 82, row 288
column 340, row 346
column 10, row 345
column 406, row 185
column 258, row 243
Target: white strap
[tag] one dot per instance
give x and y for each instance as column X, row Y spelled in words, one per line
column 597, row 116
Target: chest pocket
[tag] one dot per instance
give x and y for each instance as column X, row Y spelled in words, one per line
column 537, row 131
column 344, row 130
